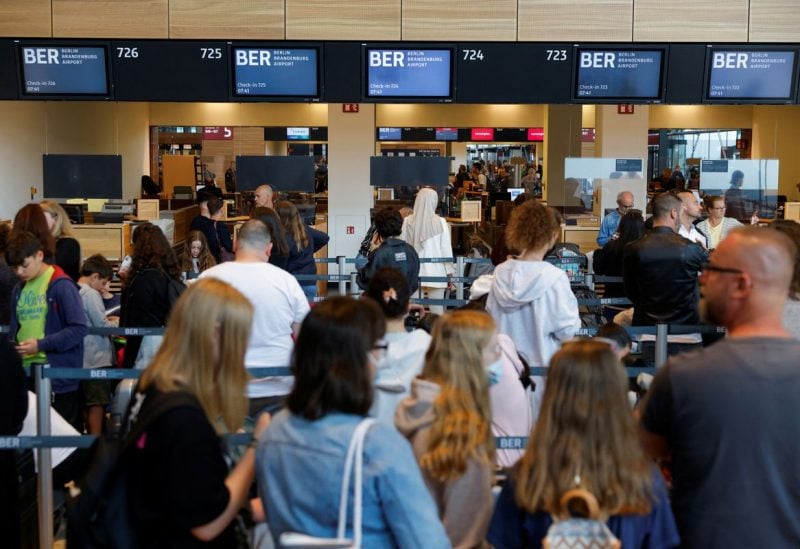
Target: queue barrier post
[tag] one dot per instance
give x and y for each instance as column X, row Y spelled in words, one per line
column 354, row 289
column 460, row 274
column 341, row 262
column 44, row 483
column 661, row 344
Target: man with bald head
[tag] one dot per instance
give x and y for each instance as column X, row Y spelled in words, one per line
column 728, row 417
column 610, row 223
column 263, row 197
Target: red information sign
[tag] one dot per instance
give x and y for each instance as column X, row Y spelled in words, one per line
column 217, row 132
column 535, row 134
column 349, row 107
column 482, row 134
column 626, row 108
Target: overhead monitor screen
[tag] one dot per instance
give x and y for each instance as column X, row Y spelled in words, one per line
column 623, row 75
column 482, row 134
column 298, row 134
column 64, row 70
column 446, row 134
column 389, row 134
column 750, row 75
column 403, row 73
column 276, row 72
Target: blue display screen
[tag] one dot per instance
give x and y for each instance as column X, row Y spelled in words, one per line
column 750, row 74
column 408, row 73
column 389, row 134
column 619, row 74
column 64, row 70
column 275, row 72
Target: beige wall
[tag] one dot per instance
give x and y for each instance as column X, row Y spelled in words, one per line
column 495, row 20
column 31, row 129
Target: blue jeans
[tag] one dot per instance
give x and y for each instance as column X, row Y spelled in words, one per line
column 310, row 291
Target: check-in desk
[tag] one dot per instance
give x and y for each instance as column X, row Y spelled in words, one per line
column 112, row 240
column 584, row 236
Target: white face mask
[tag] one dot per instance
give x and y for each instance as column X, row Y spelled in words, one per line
column 495, row 371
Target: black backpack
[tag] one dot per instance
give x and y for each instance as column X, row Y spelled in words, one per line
column 97, row 516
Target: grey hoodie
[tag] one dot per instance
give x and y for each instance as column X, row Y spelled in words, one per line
column 465, row 504
column 533, row 304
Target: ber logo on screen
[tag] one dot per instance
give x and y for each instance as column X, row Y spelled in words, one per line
column 40, row 56
column 254, row 58
column 598, row 59
column 387, row 58
column 730, row 60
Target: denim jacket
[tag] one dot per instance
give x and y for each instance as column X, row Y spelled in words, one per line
column 299, row 466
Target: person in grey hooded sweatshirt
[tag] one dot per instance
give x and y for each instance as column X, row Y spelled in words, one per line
column 531, row 300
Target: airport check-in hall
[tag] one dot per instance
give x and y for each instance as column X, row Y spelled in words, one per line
column 234, row 174
column 219, row 106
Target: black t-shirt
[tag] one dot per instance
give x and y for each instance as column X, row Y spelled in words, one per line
column 177, row 480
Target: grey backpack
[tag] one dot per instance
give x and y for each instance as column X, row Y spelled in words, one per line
column 579, row 532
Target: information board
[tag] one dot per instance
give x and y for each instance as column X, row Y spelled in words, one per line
column 64, row 70
column 275, row 72
column 409, row 73
column 389, row 134
column 160, row 70
column 513, row 73
column 626, row 75
column 750, row 75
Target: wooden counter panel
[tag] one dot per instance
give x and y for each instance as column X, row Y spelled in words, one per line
column 30, row 18
column 584, row 237
column 112, row 240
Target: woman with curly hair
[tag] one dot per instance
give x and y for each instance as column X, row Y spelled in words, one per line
column 531, row 300
column 447, row 418
column 586, row 437
column 196, row 256
column 150, row 289
column 68, row 250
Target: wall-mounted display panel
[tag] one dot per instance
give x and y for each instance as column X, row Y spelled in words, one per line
column 160, row 70
column 619, row 74
column 64, row 70
column 82, row 176
column 408, row 74
column 739, row 74
column 276, row 72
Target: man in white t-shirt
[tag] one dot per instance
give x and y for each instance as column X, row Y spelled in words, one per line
column 280, row 306
column 690, row 212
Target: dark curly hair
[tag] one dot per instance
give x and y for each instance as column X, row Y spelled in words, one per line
column 151, row 250
column 532, row 226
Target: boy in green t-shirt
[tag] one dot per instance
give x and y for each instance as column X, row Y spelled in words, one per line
column 47, row 319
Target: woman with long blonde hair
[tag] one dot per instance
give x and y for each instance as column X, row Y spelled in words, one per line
column 447, row 418
column 585, row 437
column 68, row 249
column 181, row 490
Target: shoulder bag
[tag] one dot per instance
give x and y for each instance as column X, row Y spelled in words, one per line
column 355, row 453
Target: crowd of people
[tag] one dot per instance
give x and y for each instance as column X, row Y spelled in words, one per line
column 720, row 419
